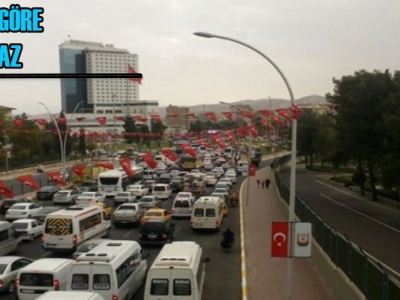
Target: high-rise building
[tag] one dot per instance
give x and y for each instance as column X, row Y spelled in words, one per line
column 99, row 95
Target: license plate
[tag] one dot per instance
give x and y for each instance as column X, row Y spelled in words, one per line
column 152, row 236
column 27, row 291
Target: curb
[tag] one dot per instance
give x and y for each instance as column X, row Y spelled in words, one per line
column 242, row 245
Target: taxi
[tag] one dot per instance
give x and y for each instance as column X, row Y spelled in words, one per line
column 157, row 213
column 108, row 210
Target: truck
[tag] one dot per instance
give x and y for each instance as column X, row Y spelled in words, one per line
column 195, row 184
column 256, row 156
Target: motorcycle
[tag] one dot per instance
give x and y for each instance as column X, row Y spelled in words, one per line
column 234, row 200
column 227, row 243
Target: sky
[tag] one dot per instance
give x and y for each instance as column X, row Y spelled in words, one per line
column 312, row 42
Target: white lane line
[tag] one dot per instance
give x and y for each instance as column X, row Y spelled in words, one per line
column 46, row 254
column 242, row 243
column 360, row 213
column 356, row 197
column 128, row 233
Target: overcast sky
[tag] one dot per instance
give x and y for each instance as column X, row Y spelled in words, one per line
column 311, row 41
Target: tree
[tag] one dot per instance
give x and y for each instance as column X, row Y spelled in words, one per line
column 129, row 129
column 307, row 136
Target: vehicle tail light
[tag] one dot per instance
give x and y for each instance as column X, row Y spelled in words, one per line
column 164, row 236
column 56, row 285
column 114, row 297
column 217, row 222
column 75, row 239
column 1, row 283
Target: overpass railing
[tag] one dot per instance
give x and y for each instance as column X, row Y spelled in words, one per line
column 375, row 280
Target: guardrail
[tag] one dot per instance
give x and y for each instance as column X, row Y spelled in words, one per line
column 374, row 279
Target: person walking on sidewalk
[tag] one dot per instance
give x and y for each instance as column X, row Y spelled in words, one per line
column 267, row 183
column 258, row 183
column 262, row 183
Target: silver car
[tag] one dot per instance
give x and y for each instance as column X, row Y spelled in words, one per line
column 128, row 213
column 66, row 197
column 150, row 201
column 9, row 267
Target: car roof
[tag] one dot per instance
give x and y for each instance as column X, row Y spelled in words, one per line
column 23, row 220
column 155, row 221
column 9, row 259
column 156, row 209
column 22, row 203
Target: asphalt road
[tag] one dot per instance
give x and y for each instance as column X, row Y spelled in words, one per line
column 223, row 266
column 374, row 226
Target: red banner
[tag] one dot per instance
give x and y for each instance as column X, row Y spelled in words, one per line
column 280, row 239
column 252, row 170
column 169, row 154
column 253, row 131
column 149, row 160
column 6, row 191
column 102, row 120
column 228, row 115
column 189, row 150
column 19, row 122
column 56, row 177
column 41, row 122
column 79, row 170
column 126, row 166
column 28, row 180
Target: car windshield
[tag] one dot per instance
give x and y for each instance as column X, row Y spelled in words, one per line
column 2, row 268
column 122, row 195
column 146, row 199
column 180, row 203
column 47, row 189
column 220, row 190
column 183, row 195
column 9, row 202
column 18, row 207
column 127, row 207
column 63, row 193
column 159, row 188
column 20, row 225
column 87, row 195
column 154, row 214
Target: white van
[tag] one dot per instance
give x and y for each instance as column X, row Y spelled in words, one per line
column 10, row 241
column 207, row 213
column 66, row 295
column 149, row 174
column 177, row 272
column 162, row 191
column 65, row 229
column 42, row 275
column 114, row 269
column 242, row 167
column 182, row 205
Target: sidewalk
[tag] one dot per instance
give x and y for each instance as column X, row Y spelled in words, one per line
column 267, row 276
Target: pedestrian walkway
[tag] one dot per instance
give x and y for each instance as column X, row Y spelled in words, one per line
column 266, row 277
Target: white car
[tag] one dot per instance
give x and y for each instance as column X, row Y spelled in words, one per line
column 231, row 176
column 208, row 166
column 195, row 171
column 22, row 211
column 174, row 173
column 207, row 161
column 211, row 180
column 225, row 180
column 139, row 190
column 219, row 171
column 185, row 196
column 89, row 197
column 225, row 166
column 28, row 228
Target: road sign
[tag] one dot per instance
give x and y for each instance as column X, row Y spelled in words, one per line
column 302, row 240
column 279, row 239
column 252, row 170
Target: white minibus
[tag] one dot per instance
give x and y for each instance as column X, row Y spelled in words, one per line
column 111, row 182
column 42, row 275
column 113, row 269
column 178, row 272
column 67, row 295
column 207, row 213
column 162, row 191
column 65, row 229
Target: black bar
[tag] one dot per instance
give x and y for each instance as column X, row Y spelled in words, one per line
column 68, row 75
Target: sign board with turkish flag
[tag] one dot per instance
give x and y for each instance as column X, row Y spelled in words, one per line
column 302, row 239
column 280, row 239
column 252, row 170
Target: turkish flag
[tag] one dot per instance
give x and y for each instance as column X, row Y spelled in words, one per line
column 169, row 154
column 189, row 150
column 173, row 115
column 102, row 120
column 228, row 115
column 119, row 118
column 280, row 239
column 252, row 170
column 277, row 120
column 132, row 70
column 266, row 124
column 41, row 122
column 126, row 166
column 253, row 131
column 296, row 112
column 284, row 114
column 211, row 115
column 193, row 115
column 80, row 119
column 106, row 165
column 62, row 121
column 79, row 170
column 28, row 180
column 56, row 177
column 247, row 114
column 149, row 160
column 19, row 122
column 6, row 191
column 265, row 112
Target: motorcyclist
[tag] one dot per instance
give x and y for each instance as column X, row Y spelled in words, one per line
column 229, row 237
column 234, row 197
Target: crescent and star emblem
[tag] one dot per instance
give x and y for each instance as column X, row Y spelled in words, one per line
column 282, row 238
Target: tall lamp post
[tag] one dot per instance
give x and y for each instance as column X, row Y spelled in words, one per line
column 248, row 122
column 59, row 134
column 293, row 149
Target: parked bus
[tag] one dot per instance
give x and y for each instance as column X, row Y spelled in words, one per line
column 110, row 183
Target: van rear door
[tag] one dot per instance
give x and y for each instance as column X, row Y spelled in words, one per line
column 58, row 233
column 159, row 285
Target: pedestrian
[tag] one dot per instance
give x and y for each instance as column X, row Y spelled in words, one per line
column 262, row 184
column 258, row 183
column 267, row 183
column 272, row 165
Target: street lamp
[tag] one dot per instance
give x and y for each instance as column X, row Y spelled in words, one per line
column 59, row 133
column 293, row 147
column 248, row 122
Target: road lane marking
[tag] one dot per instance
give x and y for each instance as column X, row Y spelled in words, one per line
column 356, row 197
column 242, row 243
column 360, row 213
column 128, row 233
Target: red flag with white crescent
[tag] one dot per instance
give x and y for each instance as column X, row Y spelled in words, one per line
column 253, row 130
column 211, row 115
column 19, row 122
column 148, row 158
column 41, row 122
column 28, row 180
column 228, row 115
column 6, row 191
column 280, row 239
column 79, row 170
column 169, row 154
column 132, row 70
column 126, row 166
column 56, row 177
column 102, row 120
column 106, row 165
column 189, row 150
